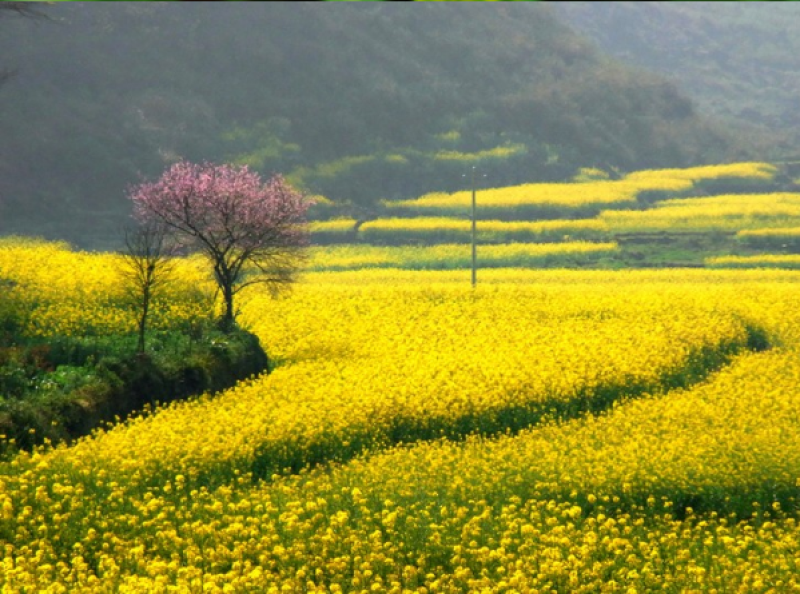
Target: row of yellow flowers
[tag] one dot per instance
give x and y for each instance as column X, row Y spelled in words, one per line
column 755, row 218
column 776, row 233
column 589, row 193
column 757, row 261
column 601, row 192
column 771, row 239
column 441, row 229
column 730, row 212
column 753, row 171
column 448, row 256
column 727, row 213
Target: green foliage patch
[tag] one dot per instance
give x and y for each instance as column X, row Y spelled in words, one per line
column 63, row 388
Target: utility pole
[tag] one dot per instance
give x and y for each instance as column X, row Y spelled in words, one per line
column 474, row 234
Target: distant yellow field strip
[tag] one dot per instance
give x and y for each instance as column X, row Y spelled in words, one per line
column 546, row 194
column 341, row 226
column 730, row 212
column 428, row 228
column 756, row 261
column 770, row 236
column 771, row 232
column 449, row 255
column 598, row 192
column 743, row 171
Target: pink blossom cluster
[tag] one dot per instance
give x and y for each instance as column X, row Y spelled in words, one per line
column 225, row 206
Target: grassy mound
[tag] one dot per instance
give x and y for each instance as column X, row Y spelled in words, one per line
column 61, row 389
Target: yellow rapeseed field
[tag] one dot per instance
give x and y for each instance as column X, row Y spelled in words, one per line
column 771, row 239
column 776, row 232
column 563, row 195
column 730, row 212
column 547, row 431
column 453, row 229
column 448, row 256
column 596, row 192
column 335, row 227
column 757, row 261
column 742, row 171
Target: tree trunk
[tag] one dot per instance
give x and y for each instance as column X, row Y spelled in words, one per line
column 227, row 323
column 143, row 320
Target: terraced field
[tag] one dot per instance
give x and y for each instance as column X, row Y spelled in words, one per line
column 670, row 217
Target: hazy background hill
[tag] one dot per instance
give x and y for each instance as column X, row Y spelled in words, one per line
column 739, row 61
column 357, row 102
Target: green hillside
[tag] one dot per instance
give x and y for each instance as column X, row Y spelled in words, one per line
column 358, row 102
column 739, row 61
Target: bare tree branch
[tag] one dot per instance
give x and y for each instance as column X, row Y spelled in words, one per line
column 24, row 9
column 146, row 267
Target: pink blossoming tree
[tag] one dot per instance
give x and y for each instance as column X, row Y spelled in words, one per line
column 251, row 231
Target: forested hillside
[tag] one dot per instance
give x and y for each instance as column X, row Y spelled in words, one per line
column 737, row 60
column 357, row 102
